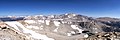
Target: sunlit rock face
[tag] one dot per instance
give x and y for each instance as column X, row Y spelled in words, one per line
column 57, row 27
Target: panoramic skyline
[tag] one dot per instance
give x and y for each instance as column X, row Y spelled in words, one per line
column 93, row 8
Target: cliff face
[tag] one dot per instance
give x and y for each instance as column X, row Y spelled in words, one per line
column 58, row 27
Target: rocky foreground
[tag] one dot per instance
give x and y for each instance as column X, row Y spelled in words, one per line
column 59, row 27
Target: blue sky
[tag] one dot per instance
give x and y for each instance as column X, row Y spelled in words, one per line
column 94, row 8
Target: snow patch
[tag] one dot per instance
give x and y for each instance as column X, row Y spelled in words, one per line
column 57, row 19
column 37, row 35
column 69, row 22
column 41, row 21
column 69, row 34
column 41, row 27
column 86, row 35
column 83, row 19
column 56, row 23
column 29, row 27
column 95, row 28
column 56, row 30
column 47, row 22
column 108, row 21
column 66, row 14
column 35, row 27
column 75, row 27
column 72, row 32
column 30, row 21
column 64, row 22
column 74, row 14
column 69, row 17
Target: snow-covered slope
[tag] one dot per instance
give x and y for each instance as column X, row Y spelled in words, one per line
column 21, row 28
